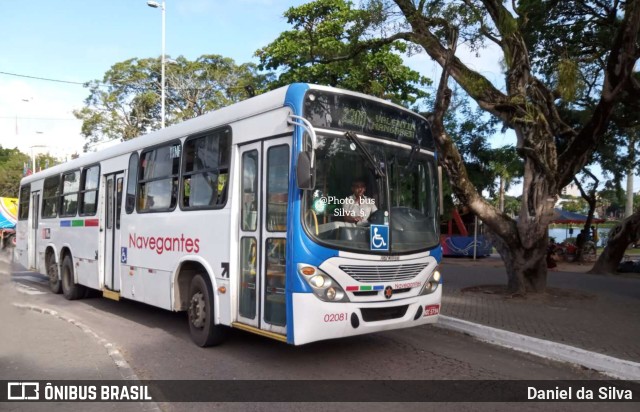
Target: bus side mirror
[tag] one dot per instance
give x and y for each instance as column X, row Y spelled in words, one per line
column 305, row 175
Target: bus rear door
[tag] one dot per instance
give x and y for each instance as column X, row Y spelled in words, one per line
column 113, row 250
column 33, row 233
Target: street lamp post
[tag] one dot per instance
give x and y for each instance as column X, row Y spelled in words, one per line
column 33, row 155
column 156, row 5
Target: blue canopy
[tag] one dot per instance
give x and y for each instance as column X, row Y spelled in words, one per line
column 564, row 216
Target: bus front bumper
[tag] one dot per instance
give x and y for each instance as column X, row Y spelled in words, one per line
column 316, row 320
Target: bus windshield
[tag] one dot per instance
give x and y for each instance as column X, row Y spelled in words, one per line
column 382, row 183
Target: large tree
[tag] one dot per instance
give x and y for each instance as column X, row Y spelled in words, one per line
column 572, row 40
column 553, row 151
column 531, row 104
column 126, row 103
column 324, row 29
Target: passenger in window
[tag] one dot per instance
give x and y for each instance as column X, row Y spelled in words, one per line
column 358, row 207
column 187, row 191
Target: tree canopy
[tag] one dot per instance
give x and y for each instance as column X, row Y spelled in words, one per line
column 126, row 103
column 322, row 34
column 12, row 169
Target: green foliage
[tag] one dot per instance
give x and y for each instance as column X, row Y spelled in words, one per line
column 576, row 205
column 511, row 204
column 568, row 79
column 470, row 129
column 11, row 168
column 127, row 102
column 322, row 48
column 569, row 42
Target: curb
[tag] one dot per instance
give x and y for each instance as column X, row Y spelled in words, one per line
column 617, row 368
column 126, row 371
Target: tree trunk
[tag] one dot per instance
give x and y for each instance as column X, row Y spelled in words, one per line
column 586, row 230
column 526, row 267
column 620, row 237
column 501, row 195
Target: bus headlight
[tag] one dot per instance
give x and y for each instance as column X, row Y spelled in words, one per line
column 431, row 285
column 318, row 281
column 323, row 285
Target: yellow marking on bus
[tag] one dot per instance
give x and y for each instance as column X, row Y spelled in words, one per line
column 109, row 294
column 276, row 336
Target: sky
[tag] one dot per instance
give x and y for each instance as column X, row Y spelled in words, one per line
column 77, row 41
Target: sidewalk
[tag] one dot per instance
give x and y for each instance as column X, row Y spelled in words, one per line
column 27, row 352
column 592, row 312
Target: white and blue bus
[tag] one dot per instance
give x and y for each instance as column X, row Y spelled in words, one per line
column 244, row 218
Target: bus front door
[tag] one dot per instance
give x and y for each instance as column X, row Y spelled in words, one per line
column 264, row 188
column 112, row 210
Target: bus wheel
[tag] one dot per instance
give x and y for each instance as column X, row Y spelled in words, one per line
column 70, row 289
column 55, row 284
column 204, row 331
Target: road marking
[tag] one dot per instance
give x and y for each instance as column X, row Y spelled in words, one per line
column 31, row 278
column 28, row 290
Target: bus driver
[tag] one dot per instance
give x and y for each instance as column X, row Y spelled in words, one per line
column 357, row 207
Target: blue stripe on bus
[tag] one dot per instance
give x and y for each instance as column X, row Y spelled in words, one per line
column 378, row 287
column 436, row 253
column 294, row 99
column 65, row 223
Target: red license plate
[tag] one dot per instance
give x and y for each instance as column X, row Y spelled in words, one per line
column 431, row 310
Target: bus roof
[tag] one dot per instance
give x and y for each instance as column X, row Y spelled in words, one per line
column 226, row 115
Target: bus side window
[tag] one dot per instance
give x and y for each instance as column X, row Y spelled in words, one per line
column 50, row 197
column 205, row 170
column 158, row 178
column 89, row 190
column 25, row 197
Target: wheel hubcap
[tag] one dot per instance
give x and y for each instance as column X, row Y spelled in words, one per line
column 197, row 313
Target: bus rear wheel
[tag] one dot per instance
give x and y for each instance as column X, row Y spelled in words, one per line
column 70, row 289
column 55, row 284
column 204, row 331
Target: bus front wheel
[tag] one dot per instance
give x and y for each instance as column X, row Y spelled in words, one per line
column 204, row 331
column 70, row 289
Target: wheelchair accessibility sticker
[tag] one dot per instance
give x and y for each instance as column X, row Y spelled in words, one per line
column 379, row 235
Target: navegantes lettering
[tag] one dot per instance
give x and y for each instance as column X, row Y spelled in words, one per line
column 163, row 244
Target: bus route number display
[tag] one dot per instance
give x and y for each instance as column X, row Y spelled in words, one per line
column 337, row 111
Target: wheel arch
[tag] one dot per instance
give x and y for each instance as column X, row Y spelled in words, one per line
column 186, row 270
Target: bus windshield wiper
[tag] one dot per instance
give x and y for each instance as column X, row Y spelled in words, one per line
column 414, row 149
column 353, row 138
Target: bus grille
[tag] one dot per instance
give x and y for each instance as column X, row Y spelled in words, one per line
column 377, row 314
column 373, row 274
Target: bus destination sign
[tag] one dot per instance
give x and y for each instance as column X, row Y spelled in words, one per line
column 340, row 111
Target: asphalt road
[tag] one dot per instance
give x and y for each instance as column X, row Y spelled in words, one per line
column 156, row 344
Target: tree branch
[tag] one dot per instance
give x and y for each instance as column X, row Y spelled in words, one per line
column 453, row 163
column 477, row 86
column 364, row 46
column 619, row 69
